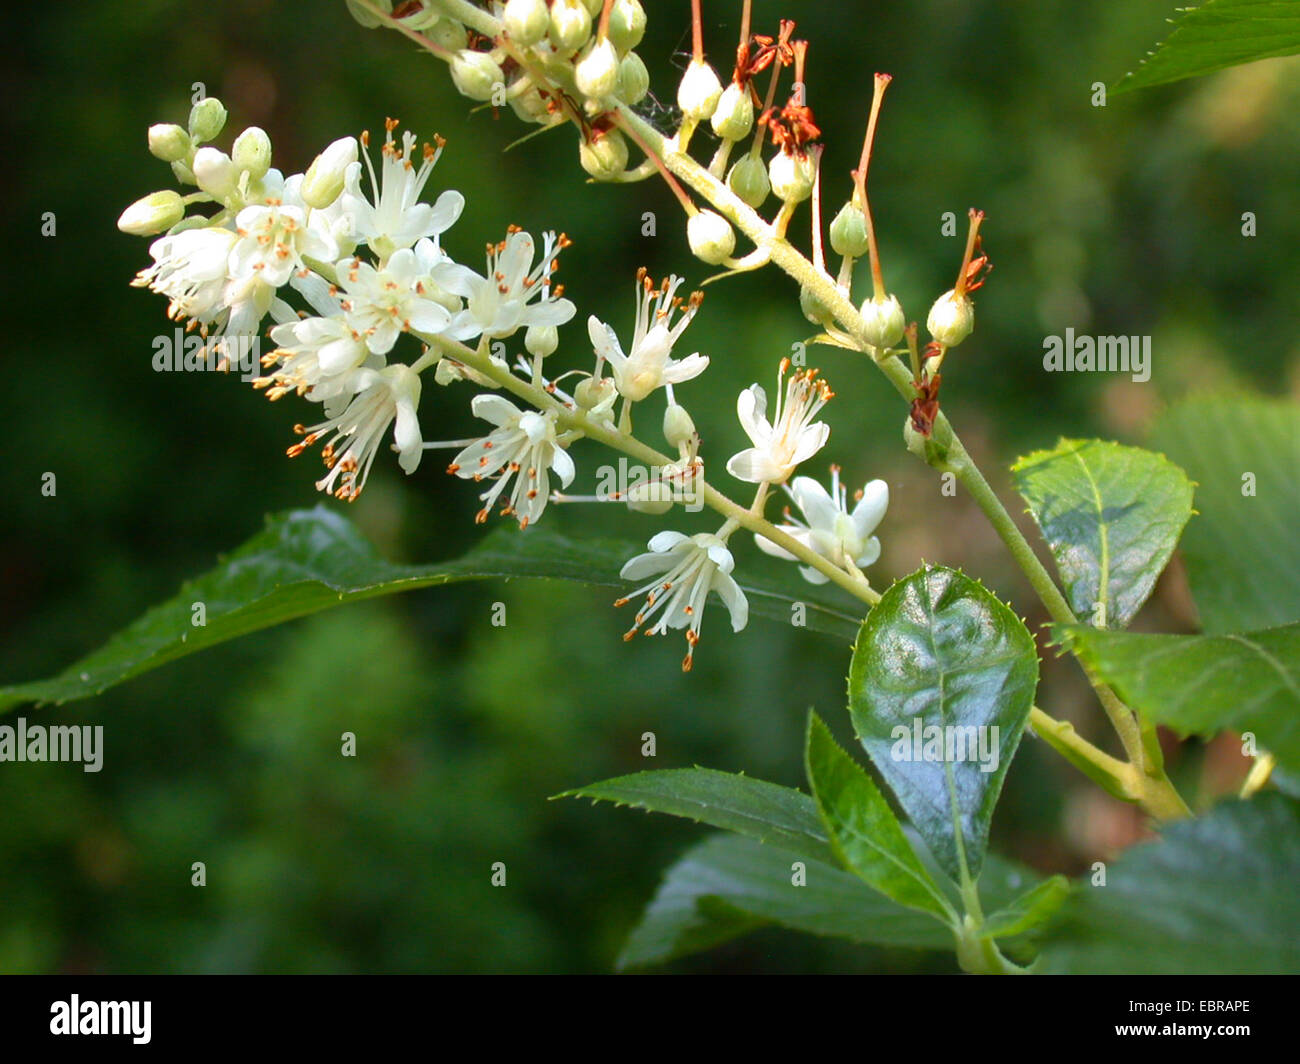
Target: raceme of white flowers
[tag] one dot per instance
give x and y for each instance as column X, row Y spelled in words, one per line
column 347, row 257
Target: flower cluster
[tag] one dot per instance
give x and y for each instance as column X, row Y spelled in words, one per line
column 348, row 256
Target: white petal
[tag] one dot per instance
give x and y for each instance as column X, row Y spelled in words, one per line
column 562, row 464
column 811, row 440
column 751, row 408
column 871, row 508
column 754, row 466
column 494, row 409
column 734, row 598
column 813, row 576
column 869, row 554
column 815, row 501
column 666, row 541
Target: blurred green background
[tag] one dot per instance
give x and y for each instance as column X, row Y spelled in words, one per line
column 1117, row 220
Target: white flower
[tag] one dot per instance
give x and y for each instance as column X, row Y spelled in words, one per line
column 315, row 355
column 686, row 569
column 649, row 364
column 791, row 437
column 395, row 218
column 381, row 304
column 523, row 446
column 190, row 269
column 273, row 238
column 514, row 294
column 838, row 535
column 383, row 396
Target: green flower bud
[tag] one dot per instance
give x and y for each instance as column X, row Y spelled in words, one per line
column 570, row 25
column 476, row 74
column 541, row 340
column 748, row 180
column 711, row 237
column 792, row 177
column 679, row 429
column 699, row 91
column 813, row 308
column 526, row 21
column 324, row 180
column 252, row 152
column 952, row 318
column 882, row 321
column 605, row 156
column 168, row 142
column 654, row 497
column 207, row 119
column 594, row 8
column 596, row 73
column 528, row 103
column 734, row 116
column 215, row 172
column 183, row 173
column 633, row 79
column 365, row 16
column 592, row 394
column 626, row 24
column 449, row 34
column 153, row 214
column 849, row 232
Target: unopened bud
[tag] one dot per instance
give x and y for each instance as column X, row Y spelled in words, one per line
column 168, row 142
column 604, row 157
column 699, row 91
column 528, row 103
column 882, row 321
column 633, row 79
column 570, row 25
column 626, row 24
column 792, row 177
column 734, row 116
column 591, row 393
column 207, row 119
column 679, row 429
column 448, row 34
column 849, row 232
column 596, row 73
column 252, row 152
column 215, row 172
column 653, row 497
column 476, row 74
column 541, row 340
column 526, row 21
column 951, row 318
column 711, row 237
column 153, row 214
column 813, row 308
column 748, row 180
column 325, row 178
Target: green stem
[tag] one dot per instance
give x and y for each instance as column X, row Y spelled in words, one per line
column 1159, row 797
column 629, row 445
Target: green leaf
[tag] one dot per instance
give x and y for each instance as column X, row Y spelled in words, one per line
column 726, row 886
column 305, row 561
column 1243, row 453
column 765, row 812
column 1199, row 684
column 940, row 657
column 1111, row 515
column 1216, row 895
column 1030, row 911
column 864, row 832
column 1218, row 34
